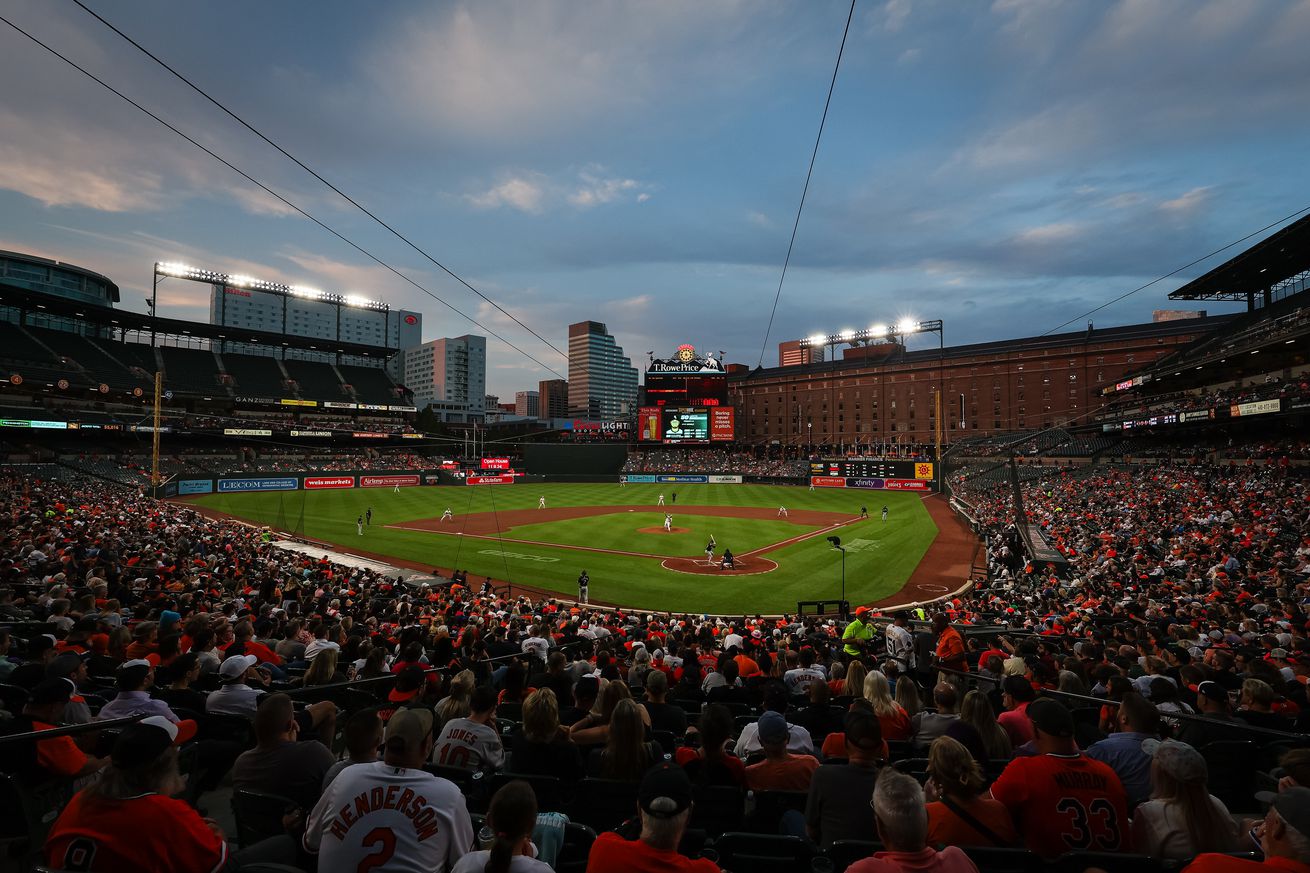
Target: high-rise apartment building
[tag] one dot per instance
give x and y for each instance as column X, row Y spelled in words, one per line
column 527, row 403
column 450, row 373
column 791, row 354
column 554, row 398
column 602, row 380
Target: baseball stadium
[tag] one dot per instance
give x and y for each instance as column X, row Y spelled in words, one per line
column 285, row 588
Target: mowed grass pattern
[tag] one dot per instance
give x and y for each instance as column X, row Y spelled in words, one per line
column 880, row 556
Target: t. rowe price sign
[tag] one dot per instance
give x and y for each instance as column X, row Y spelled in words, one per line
column 495, row 463
column 828, row 481
column 504, row 479
column 312, row 482
column 386, row 481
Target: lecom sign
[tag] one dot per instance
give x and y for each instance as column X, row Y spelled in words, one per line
column 312, row 482
column 386, row 481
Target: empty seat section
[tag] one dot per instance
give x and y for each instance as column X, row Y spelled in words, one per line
column 190, row 369
column 372, row 384
column 99, row 366
column 255, row 375
column 134, row 355
column 316, row 379
column 19, row 346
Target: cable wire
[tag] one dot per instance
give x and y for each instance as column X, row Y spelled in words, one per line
column 804, row 191
column 1158, row 279
column 249, row 178
column 352, row 201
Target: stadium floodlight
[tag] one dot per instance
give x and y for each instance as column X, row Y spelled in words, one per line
column 907, row 325
column 173, row 268
column 306, row 292
column 878, row 330
column 817, row 339
column 240, row 280
column 358, row 300
column 847, row 335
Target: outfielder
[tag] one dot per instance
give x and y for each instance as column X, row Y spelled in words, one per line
column 541, row 502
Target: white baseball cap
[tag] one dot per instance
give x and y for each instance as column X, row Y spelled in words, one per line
column 236, row 666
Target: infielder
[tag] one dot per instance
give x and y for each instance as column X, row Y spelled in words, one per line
column 668, row 522
column 447, row 515
column 541, row 502
column 782, row 512
column 660, row 502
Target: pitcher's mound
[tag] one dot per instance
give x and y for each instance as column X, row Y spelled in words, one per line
column 661, row 530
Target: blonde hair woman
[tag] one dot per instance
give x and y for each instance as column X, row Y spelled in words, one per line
column 456, row 703
column 959, row 814
column 891, row 715
column 1182, row 818
column 542, row 747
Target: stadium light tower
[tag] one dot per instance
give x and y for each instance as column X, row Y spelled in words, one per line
column 836, row 544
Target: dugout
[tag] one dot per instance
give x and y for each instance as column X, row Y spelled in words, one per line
column 563, row 462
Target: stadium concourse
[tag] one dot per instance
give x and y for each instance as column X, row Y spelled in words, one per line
column 1124, row 712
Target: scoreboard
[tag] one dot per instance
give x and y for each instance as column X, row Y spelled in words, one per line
column 889, row 474
column 687, row 425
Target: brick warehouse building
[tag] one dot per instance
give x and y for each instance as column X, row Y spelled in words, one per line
column 1010, row 385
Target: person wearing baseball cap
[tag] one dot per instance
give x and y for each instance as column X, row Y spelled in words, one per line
column 236, row 696
column 425, row 816
column 856, row 636
column 57, row 756
column 1037, row 787
column 1182, row 818
column 104, row 826
column 664, row 806
column 134, row 679
column 1284, row 837
column 1219, row 724
column 71, row 666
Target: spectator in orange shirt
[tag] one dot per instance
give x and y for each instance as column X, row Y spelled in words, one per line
column 950, row 650
column 958, row 812
column 780, row 770
column 57, row 756
column 144, row 641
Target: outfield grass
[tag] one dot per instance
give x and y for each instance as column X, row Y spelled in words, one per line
column 880, row 556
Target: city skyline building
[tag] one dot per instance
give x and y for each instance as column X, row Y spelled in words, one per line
column 602, row 381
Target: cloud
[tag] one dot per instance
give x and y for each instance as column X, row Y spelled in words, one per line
column 1057, row 232
column 759, row 219
column 534, row 192
column 524, row 192
column 894, row 15
column 1189, row 202
column 909, row 56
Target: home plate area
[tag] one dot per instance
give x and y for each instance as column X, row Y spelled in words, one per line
column 752, row 565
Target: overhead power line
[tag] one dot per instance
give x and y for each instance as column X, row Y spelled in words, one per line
column 249, row 178
column 805, row 190
column 352, row 201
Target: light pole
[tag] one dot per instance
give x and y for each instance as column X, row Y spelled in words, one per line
column 836, row 544
column 809, row 438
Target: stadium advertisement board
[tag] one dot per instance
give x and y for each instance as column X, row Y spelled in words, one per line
column 319, row 482
column 828, row 481
column 906, row 485
column 504, row 479
column 1258, row 407
column 365, row 435
column 247, row 431
column 724, row 480
column 255, row 483
column 676, row 478
column 195, row 486
column 722, row 423
column 495, row 463
column 387, row 481
column 311, row 433
column 640, row 478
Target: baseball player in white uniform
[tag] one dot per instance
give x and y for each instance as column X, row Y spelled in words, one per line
column 782, row 512
column 391, row 814
column 668, row 522
column 447, row 515
column 541, row 502
column 660, row 502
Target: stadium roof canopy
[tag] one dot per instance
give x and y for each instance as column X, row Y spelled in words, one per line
column 1257, row 271
column 141, row 323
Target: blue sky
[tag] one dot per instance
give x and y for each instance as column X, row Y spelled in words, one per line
column 1002, row 166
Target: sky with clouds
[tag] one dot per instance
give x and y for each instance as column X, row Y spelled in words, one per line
column 1003, row 166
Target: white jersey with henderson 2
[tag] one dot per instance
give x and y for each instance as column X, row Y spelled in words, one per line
column 389, row 818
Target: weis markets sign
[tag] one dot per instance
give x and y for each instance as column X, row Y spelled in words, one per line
column 318, row 482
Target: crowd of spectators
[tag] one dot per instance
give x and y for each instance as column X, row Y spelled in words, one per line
column 710, row 460
column 1121, row 705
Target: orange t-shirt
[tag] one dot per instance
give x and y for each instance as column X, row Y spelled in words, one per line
column 58, row 755
column 947, row 828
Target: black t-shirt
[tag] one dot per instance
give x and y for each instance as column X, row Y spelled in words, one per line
column 836, row 806
column 560, row 759
column 667, row 717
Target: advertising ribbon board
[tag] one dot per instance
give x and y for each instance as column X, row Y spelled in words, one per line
column 828, row 481
column 505, row 479
column 386, row 481
column 639, row 478
column 247, row 431
column 495, row 463
column 278, row 483
column 1259, row 407
column 195, row 486
column 718, row 480
column 686, row 480
column 318, row 482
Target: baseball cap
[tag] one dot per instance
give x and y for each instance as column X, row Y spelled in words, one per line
column 64, row 664
column 1293, row 806
column 53, row 690
column 1212, row 690
column 236, row 666
column 1179, row 760
column 665, row 791
column 1051, row 718
column 141, row 743
column 773, row 728
column 408, row 728
column 861, row 610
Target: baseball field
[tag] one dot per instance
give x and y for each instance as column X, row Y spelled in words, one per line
column 617, row 534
